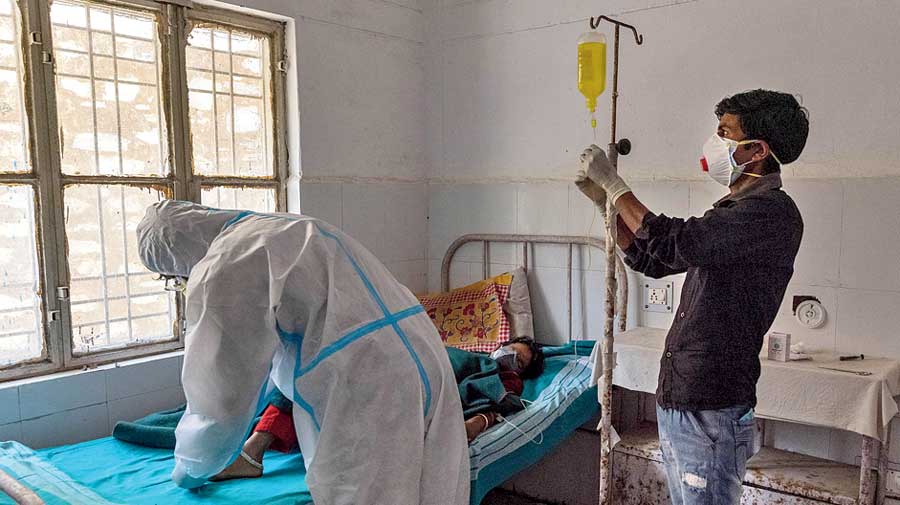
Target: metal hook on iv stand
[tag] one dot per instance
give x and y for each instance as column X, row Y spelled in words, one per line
column 623, row 146
column 615, row 148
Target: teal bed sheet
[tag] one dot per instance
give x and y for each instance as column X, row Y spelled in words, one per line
column 109, row 471
column 562, row 400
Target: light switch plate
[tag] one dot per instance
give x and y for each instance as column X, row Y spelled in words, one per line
column 658, row 296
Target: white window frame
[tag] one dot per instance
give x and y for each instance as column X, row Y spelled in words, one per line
column 175, row 20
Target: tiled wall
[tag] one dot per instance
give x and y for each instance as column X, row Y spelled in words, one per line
column 78, row 406
column 387, row 218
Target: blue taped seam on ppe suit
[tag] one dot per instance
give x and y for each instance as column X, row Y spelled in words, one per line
column 422, row 375
column 291, row 300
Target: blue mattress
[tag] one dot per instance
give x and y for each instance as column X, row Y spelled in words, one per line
column 107, row 471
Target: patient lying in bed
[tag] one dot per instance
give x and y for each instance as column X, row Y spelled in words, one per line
column 518, row 359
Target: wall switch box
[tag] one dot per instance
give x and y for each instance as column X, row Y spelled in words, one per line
column 658, row 296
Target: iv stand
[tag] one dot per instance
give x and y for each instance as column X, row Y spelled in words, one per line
column 614, row 149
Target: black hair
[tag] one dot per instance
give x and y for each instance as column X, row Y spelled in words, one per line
column 772, row 116
column 536, row 367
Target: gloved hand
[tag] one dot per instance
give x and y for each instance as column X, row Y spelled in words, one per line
column 591, row 190
column 598, row 168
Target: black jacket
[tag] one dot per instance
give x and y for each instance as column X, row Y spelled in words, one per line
column 739, row 258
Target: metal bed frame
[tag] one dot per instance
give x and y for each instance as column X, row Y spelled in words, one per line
column 529, row 240
column 616, row 288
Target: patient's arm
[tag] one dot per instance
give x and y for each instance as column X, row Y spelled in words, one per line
column 479, row 423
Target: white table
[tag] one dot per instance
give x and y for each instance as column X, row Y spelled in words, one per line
column 797, row 391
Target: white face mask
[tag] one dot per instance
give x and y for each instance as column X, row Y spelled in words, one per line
column 718, row 159
column 506, row 358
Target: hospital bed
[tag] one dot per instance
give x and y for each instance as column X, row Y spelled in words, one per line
column 107, row 471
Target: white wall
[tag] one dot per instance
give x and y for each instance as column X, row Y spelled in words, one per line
column 77, row 406
column 505, row 123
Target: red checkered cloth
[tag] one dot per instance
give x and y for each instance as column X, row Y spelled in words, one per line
column 472, row 318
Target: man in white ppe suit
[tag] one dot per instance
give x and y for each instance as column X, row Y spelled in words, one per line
column 288, row 301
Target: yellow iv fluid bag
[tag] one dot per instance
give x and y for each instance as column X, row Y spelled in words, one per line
column 592, row 69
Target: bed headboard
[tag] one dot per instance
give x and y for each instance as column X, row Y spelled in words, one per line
column 528, row 240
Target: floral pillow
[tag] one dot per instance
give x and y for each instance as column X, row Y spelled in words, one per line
column 471, row 318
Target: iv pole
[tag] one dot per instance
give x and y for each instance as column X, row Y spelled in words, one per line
column 614, row 149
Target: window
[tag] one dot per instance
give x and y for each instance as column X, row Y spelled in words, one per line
column 115, row 106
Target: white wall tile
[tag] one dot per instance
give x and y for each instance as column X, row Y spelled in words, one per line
column 823, row 338
column 820, row 204
column 703, row 194
column 548, row 288
column 136, row 407
column 810, row 440
column 63, row 393
column 550, row 256
column 665, row 197
column 9, row 405
column 434, row 276
column 323, row 201
column 405, row 227
column 12, row 431
column 589, row 304
column 543, row 208
column 894, row 449
column 871, row 234
column 69, row 427
column 389, row 220
column 133, row 379
column 410, row 273
column 845, row 447
column 584, row 218
column 867, row 322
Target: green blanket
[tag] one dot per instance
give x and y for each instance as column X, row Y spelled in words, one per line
column 158, row 430
column 480, row 388
column 477, row 375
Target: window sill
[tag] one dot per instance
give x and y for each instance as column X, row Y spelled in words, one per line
column 88, row 370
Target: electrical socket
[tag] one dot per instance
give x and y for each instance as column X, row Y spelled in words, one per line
column 658, row 296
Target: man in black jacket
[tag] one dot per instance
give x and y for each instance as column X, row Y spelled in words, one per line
column 739, row 258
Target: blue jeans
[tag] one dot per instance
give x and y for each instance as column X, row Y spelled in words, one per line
column 705, row 453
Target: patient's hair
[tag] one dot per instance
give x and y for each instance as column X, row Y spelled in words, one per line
column 536, row 367
column 772, row 116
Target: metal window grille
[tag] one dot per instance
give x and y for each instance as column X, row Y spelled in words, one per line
column 95, row 124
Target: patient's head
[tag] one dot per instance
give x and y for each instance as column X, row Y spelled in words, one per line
column 529, row 358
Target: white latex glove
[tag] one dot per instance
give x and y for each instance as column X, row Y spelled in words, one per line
column 598, row 168
column 591, row 190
